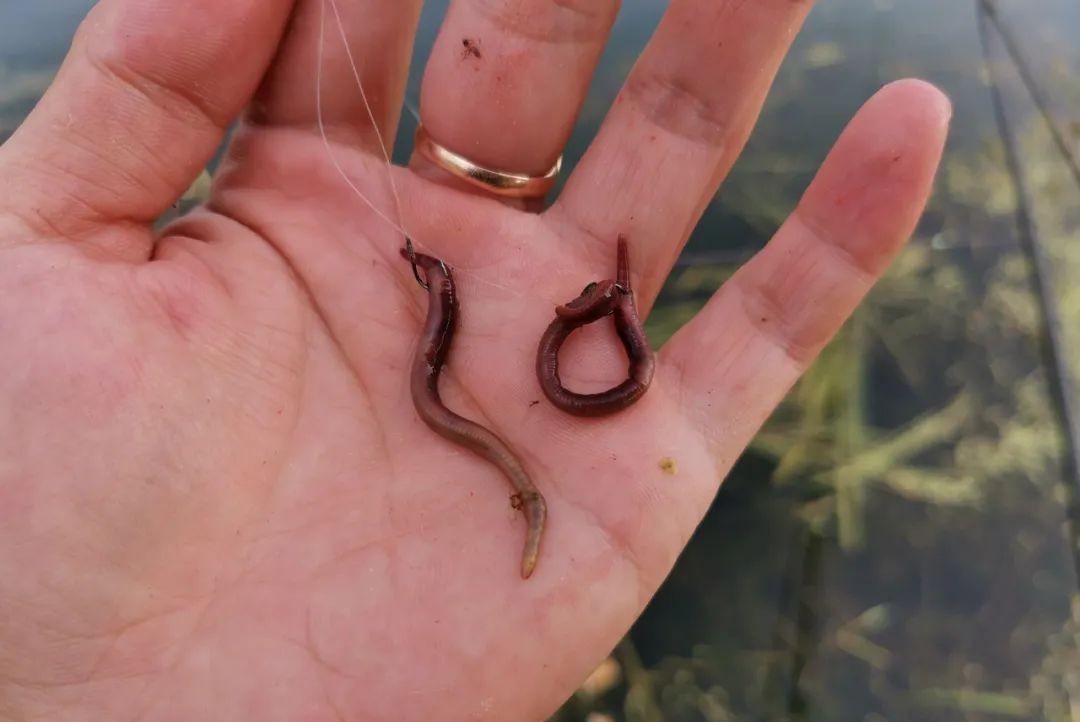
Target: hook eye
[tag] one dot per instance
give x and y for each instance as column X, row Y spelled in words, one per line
column 410, row 251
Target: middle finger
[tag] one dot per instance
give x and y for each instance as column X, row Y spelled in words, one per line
column 507, row 78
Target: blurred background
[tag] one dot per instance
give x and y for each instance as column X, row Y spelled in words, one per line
column 901, row 540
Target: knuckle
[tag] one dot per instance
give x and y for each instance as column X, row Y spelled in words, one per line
column 676, row 106
column 551, row 21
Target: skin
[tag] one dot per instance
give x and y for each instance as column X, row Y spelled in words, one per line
column 216, row 498
column 432, row 355
column 597, row 301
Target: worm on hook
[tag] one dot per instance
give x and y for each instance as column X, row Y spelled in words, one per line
column 431, row 356
column 595, row 302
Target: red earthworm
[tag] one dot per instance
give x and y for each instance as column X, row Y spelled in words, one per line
column 431, row 356
column 595, row 302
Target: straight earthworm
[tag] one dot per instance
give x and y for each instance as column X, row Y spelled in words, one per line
column 595, row 302
column 431, row 356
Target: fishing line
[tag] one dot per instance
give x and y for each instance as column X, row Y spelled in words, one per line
column 397, row 225
column 322, row 124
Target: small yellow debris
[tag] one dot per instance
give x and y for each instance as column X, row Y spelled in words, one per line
column 668, row 466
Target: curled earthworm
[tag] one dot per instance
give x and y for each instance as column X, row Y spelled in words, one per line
column 595, row 302
column 431, row 355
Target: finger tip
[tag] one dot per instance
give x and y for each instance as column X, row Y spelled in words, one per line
column 877, row 179
column 918, row 101
column 901, row 130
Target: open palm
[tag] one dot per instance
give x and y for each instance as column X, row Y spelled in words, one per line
column 216, row 499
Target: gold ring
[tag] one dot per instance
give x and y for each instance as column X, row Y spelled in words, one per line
column 497, row 182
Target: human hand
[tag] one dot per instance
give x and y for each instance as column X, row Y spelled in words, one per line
column 217, row 500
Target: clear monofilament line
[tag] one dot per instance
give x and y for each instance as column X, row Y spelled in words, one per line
column 397, row 225
column 322, row 123
column 371, row 115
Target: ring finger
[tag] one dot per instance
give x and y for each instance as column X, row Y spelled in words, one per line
column 506, row 80
column 680, row 121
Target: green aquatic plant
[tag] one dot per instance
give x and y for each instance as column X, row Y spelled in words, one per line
column 927, row 435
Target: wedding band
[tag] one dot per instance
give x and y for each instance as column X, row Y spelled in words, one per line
column 496, row 182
